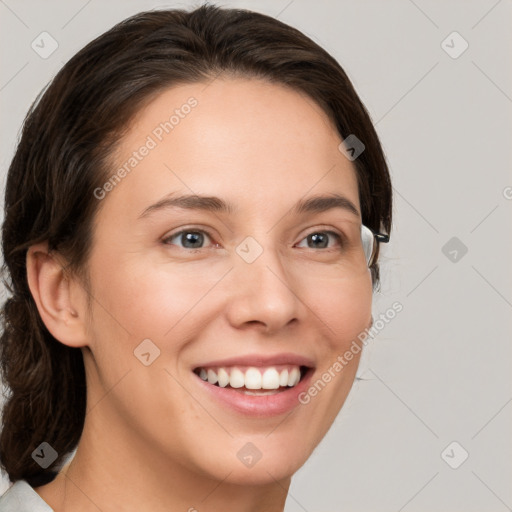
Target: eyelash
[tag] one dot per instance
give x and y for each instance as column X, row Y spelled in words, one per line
column 340, row 238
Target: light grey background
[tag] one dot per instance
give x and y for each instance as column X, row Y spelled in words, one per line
column 441, row 370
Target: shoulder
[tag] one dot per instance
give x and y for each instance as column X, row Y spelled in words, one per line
column 21, row 497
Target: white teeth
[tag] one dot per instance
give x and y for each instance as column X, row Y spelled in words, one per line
column 212, row 377
column 223, row 377
column 253, row 378
column 270, row 379
column 236, row 379
column 294, row 377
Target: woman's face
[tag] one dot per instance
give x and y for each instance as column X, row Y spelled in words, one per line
column 243, row 294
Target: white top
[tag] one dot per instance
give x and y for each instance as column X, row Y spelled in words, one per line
column 21, row 497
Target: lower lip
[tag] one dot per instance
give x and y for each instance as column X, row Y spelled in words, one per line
column 262, row 406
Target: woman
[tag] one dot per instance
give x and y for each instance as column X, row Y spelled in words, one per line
column 191, row 231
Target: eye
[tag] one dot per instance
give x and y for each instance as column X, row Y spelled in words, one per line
column 320, row 239
column 195, row 239
column 189, row 238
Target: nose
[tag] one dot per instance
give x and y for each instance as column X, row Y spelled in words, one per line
column 263, row 295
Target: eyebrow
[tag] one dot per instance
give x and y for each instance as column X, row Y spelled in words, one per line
column 315, row 204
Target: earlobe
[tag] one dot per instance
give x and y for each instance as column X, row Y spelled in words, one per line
column 50, row 285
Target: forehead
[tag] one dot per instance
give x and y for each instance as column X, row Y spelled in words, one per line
column 246, row 140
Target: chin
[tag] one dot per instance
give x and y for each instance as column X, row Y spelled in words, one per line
column 258, row 460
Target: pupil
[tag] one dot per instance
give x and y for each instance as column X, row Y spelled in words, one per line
column 319, row 237
column 194, row 238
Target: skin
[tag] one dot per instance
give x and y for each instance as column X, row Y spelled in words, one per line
column 147, row 444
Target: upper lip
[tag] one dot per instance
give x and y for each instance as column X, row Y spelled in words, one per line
column 260, row 360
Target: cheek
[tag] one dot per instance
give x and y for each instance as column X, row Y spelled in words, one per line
column 150, row 299
column 345, row 308
column 154, row 300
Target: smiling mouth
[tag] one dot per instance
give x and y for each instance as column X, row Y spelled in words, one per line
column 252, row 380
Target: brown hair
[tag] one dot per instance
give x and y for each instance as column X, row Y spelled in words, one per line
column 63, row 155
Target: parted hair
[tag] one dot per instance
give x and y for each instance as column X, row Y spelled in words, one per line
column 62, row 156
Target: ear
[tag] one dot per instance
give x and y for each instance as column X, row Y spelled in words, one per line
column 60, row 299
